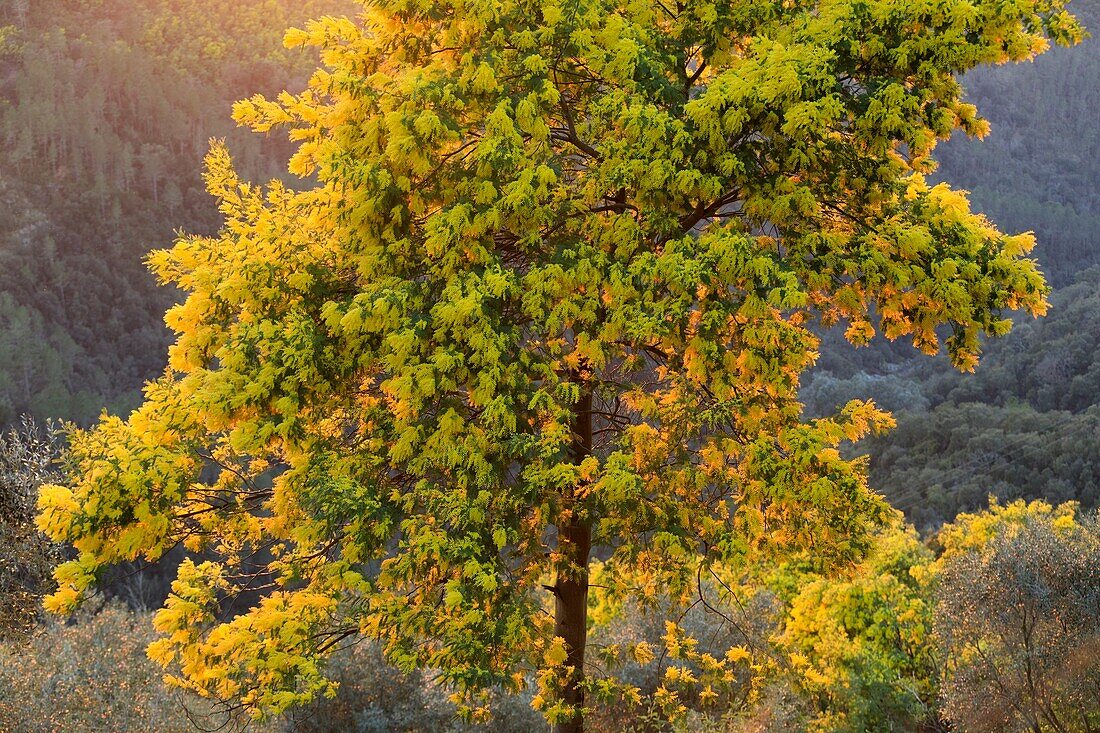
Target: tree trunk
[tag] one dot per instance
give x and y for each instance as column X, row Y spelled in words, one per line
column 571, row 590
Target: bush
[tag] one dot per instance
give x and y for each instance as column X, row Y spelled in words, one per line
column 88, row 676
column 1020, row 617
column 373, row 697
column 26, row 556
column 91, row 675
column 859, row 646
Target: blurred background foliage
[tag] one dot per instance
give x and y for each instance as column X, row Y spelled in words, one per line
column 106, row 110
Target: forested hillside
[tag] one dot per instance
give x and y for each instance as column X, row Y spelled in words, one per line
column 1037, row 168
column 106, row 109
column 1025, row 423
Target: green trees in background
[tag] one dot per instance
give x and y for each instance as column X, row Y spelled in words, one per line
column 1035, row 171
column 1049, row 365
column 551, row 294
column 1023, row 425
column 125, row 97
column 954, row 457
column 106, row 109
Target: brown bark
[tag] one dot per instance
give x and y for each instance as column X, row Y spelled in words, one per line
column 571, row 589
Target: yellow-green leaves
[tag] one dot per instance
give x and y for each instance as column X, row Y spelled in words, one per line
column 861, row 646
column 373, row 401
column 262, row 658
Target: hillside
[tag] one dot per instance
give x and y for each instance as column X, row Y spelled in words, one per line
column 1037, row 168
column 106, row 109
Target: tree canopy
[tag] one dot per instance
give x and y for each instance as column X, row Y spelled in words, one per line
column 551, row 296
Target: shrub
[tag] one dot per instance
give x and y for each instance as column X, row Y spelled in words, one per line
column 373, row 697
column 88, row 676
column 1020, row 617
column 26, row 556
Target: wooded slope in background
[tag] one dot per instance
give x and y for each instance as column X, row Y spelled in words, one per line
column 106, row 110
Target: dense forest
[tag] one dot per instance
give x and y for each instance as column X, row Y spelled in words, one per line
column 107, row 109
column 1022, row 426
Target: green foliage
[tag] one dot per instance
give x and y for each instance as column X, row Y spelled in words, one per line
column 860, row 646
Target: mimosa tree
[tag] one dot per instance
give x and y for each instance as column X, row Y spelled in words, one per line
column 550, row 297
